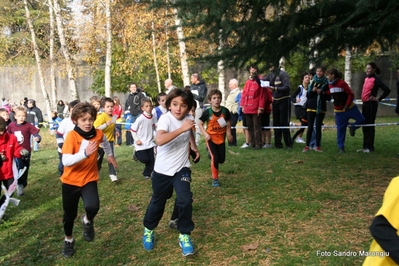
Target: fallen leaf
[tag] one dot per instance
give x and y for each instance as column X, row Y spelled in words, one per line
column 298, row 161
column 252, row 246
column 269, row 171
column 133, row 208
column 232, row 152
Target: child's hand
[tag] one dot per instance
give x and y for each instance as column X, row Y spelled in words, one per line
column 36, row 138
column 229, row 137
column 111, row 160
column 139, row 142
column 187, row 125
column 109, row 122
column 91, row 148
column 207, row 137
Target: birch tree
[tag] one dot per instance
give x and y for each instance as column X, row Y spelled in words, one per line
column 37, row 57
column 108, row 60
column 65, row 51
column 51, row 55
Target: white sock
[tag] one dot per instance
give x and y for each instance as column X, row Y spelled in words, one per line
column 69, row 240
column 85, row 220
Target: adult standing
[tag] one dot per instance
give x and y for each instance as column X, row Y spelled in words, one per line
column 253, row 105
column 133, row 107
column 232, row 105
column 370, row 104
column 199, row 90
column 279, row 84
column 60, row 109
column 35, row 117
column 169, row 85
column 397, row 92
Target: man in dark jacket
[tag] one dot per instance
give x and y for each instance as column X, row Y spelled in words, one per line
column 133, row 105
column 35, row 117
column 199, row 90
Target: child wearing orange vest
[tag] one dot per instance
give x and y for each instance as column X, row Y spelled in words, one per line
column 217, row 118
column 80, row 176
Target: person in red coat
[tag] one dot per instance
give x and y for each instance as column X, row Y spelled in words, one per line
column 9, row 149
column 253, row 105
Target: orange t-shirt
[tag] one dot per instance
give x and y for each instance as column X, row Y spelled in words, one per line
column 86, row 170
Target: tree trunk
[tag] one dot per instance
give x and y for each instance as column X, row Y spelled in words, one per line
column 154, row 52
column 51, row 56
column 221, row 81
column 108, row 60
column 348, row 65
column 38, row 63
column 183, row 53
column 64, row 48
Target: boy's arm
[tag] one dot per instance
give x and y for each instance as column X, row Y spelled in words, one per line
column 108, row 151
column 164, row 137
column 203, row 131
column 386, row 236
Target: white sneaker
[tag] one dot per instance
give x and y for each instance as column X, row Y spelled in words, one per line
column 20, row 190
column 363, row 150
column 299, row 140
column 114, row 178
column 245, row 145
column 266, row 146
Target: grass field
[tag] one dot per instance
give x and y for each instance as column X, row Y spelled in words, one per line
column 275, row 207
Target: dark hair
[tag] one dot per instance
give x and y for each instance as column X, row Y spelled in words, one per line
column 160, row 95
column 145, row 100
column 33, row 102
column 73, row 104
column 83, row 108
column 60, row 101
column 186, row 95
column 304, row 74
column 214, row 92
column 323, row 68
column 253, row 66
column 375, row 67
column 187, row 87
column 106, row 100
column 335, row 72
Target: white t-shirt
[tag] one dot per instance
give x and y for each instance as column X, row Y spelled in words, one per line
column 172, row 156
column 143, row 127
column 66, row 125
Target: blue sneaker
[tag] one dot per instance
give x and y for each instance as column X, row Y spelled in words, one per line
column 215, row 183
column 148, row 239
column 187, row 247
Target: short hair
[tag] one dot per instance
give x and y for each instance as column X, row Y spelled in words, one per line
column 234, row 81
column 145, row 100
column 214, row 92
column 323, row 68
column 73, row 104
column 304, row 74
column 20, row 108
column 186, row 95
column 106, row 100
column 335, row 72
column 54, row 113
column 33, row 102
column 161, row 94
column 95, row 98
column 2, row 110
column 83, row 108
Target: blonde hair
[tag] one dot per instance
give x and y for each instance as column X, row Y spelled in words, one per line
column 20, row 108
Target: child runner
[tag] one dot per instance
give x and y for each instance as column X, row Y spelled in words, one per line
column 161, row 108
column 6, row 115
column 217, row 118
column 143, row 135
column 79, row 180
column 172, row 169
column 298, row 98
column 9, row 149
column 344, row 107
column 65, row 126
column 106, row 123
column 23, row 131
column 55, row 122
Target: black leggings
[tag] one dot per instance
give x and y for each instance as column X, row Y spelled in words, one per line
column 70, row 201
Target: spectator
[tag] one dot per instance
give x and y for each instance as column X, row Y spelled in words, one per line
column 199, row 90
column 35, row 117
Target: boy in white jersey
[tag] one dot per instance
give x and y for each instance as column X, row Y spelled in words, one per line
column 142, row 132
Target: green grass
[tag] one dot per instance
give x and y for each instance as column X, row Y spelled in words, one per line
column 286, row 203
